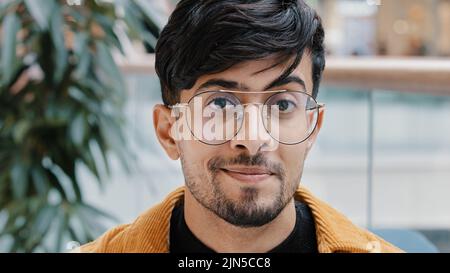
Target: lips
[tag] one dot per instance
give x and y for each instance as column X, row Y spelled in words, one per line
column 248, row 174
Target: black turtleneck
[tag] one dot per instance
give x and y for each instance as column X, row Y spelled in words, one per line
column 302, row 239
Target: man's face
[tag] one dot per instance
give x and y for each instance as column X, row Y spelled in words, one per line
column 246, row 182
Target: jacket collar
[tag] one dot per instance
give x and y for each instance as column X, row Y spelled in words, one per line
column 335, row 233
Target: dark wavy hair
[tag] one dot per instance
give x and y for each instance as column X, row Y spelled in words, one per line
column 210, row 36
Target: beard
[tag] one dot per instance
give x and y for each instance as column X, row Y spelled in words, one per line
column 246, row 212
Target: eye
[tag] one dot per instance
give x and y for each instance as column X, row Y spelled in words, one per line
column 220, row 103
column 285, row 106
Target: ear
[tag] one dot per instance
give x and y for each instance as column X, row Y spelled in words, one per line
column 163, row 122
column 312, row 139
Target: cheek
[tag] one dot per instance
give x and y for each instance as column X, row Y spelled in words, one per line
column 293, row 159
column 196, row 155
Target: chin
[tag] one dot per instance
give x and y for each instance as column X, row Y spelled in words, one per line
column 256, row 197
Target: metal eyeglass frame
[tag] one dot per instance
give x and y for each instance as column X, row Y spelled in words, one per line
column 273, row 92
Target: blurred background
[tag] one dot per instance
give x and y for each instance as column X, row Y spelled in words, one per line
column 78, row 153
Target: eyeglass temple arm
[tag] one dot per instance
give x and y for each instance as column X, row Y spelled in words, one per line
column 319, row 105
column 178, row 105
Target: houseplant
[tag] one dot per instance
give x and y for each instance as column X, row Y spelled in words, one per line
column 61, row 99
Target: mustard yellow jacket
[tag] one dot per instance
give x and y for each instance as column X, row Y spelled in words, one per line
column 149, row 233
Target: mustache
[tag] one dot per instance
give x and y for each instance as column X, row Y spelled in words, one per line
column 218, row 162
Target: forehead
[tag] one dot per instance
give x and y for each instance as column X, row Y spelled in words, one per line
column 246, row 74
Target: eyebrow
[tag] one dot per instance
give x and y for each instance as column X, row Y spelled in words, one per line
column 227, row 84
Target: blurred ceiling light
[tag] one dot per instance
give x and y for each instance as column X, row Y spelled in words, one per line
column 401, row 27
column 74, row 2
column 356, row 8
column 417, row 12
column 373, row 2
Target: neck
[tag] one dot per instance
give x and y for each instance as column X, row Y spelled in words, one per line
column 222, row 236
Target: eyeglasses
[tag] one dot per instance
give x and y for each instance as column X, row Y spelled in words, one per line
column 216, row 117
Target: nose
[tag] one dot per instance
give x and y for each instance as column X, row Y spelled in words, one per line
column 252, row 135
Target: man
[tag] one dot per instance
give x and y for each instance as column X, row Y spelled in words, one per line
column 239, row 81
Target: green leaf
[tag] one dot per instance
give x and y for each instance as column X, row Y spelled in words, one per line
column 56, row 183
column 20, row 130
column 148, row 9
column 93, row 212
column 107, row 25
column 77, row 229
column 40, row 225
column 39, row 180
column 4, row 5
column 136, row 14
column 80, row 43
column 82, row 52
column 44, row 219
column 89, row 162
column 57, row 34
column 62, row 223
column 150, row 39
column 99, row 146
column 19, row 180
column 11, row 26
column 135, row 26
column 84, row 63
column 78, row 129
column 107, row 64
column 41, row 11
column 64, row 169
column 80, row 96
